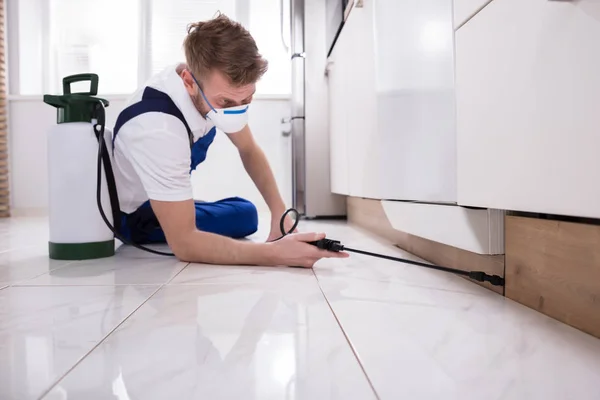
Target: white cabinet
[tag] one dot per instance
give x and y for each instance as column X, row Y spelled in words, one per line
column 354, row 162
column 528, row 107
column 357, row 52
column 392, row 102
column 414, row 69
column 338, row 127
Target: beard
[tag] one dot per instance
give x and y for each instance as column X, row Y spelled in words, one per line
column 200, row 105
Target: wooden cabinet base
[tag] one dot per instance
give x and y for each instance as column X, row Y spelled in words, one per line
column 554, row 268
column 369, row 215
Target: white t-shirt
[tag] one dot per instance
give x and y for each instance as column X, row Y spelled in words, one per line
column 152, row 151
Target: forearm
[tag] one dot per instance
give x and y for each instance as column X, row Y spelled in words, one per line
column 258, row 168
column 178, row 221
column 208, row 248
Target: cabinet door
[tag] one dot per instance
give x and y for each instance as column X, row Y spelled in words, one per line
column 415, row 113
column 528, row 93
column 357, row 54
column 338, row 126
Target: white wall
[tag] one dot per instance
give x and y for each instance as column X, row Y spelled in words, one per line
column 221, row 175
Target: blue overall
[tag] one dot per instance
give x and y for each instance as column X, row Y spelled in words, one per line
column 233, row 217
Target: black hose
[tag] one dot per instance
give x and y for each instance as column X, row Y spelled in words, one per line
column 477, row 275
column 337, row 246
column 99, row 128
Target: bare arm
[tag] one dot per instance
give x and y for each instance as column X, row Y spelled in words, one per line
column 177, row 219
column 258, row 168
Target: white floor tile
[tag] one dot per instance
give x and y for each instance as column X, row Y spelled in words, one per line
column 362, row 267
column 202, row 274
column 425, row 334
column 129, row 266
column 26, row 263
column 454, row 339
column 17, row 233
column 44, row 331
column 267, row 333
column 223, row 341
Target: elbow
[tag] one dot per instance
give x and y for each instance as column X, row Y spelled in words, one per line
column 181, row 250
column 182, row 255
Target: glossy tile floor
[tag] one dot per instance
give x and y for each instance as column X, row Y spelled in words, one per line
column 139, row 326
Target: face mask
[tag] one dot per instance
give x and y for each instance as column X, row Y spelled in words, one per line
column 230, row 119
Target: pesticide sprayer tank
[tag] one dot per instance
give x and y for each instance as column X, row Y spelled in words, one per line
column 77, row 230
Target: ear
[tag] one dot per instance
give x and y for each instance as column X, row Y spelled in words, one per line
column 188, row 82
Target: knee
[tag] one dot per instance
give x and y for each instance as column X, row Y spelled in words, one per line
column 234, row 217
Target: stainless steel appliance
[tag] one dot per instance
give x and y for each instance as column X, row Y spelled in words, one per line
column 311, row 188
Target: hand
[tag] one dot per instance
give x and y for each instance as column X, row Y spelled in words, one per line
column 275, row 229
column 294, row 251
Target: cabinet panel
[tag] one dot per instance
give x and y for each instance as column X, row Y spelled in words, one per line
column 414, row 69
column 363, row 144
column 338, row 126
column 528, row 93
column 352, row 108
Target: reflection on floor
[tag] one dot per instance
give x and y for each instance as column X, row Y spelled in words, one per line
column 140, row 326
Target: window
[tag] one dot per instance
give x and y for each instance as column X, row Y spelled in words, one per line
column 87, row 35
column 126, row 41
column 169, row 26
column 265, row 27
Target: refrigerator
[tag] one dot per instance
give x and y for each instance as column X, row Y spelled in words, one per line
column 309, row 114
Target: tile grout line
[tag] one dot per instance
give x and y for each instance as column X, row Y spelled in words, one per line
column 23, row 282
column 177, row 274
column 20, row 282
column 352, row 348
column 18, row 248
column 82, row 358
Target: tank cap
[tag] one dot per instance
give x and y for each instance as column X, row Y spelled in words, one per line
column 79, row 106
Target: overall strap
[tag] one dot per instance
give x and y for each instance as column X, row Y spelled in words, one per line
column 200, row 149
column 152, row 101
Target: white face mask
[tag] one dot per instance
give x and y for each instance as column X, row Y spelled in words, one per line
column 230, row 119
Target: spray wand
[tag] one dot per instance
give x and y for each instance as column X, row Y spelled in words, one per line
column 337, row 246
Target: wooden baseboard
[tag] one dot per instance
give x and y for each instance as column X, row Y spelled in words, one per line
column 29, row 212
column 554, row 268
column 370, row 215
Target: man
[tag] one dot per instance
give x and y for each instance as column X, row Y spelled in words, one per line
column 165, row 132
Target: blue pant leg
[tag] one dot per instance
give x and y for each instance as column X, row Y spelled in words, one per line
column 142, row 226
column 233, row 217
